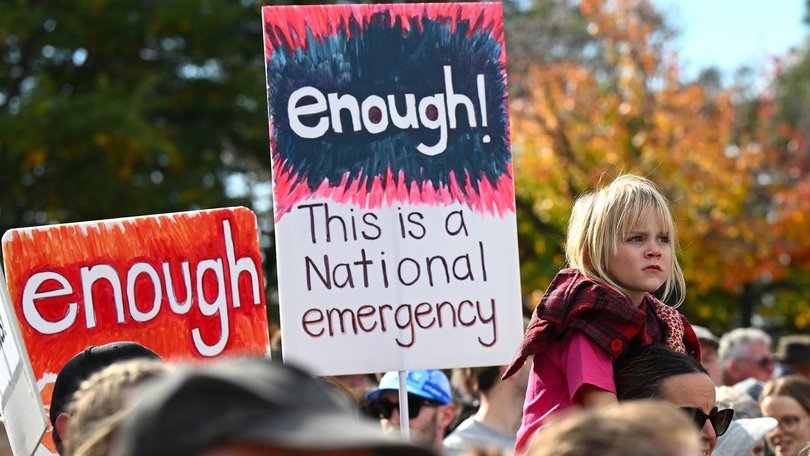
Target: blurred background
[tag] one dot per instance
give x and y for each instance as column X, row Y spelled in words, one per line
column 116, row 109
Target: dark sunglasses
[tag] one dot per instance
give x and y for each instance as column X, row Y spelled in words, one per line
column 720, row 419
column 764, row 362
column 383, row 408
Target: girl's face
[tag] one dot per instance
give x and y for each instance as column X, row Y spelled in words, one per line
column 643, row 261
column 793, row 431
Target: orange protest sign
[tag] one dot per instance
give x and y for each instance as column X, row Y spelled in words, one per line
column 186, row 285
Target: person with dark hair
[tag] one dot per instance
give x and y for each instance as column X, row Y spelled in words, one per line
column 658, row 372
column 78, row 369
column 494, row 425
column 250, row 406
column 793, row 355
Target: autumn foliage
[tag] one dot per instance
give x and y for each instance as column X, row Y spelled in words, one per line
column 735, row 173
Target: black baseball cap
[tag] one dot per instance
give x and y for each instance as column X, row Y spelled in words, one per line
column 86, row 363
column 248, row 400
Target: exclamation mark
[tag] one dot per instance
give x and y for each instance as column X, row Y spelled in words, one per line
column 482, row 104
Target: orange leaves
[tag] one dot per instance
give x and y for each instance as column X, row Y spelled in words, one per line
column 730, row 174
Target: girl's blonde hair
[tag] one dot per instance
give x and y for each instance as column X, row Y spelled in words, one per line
column 600, row 219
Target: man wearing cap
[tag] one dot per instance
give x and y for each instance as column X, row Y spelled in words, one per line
column 709, row 343
column 80, row 368
column 430, row 406
column 793, row 355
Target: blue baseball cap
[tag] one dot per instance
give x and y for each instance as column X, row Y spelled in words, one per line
column 430, row 384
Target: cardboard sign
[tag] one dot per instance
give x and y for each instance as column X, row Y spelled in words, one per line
column 186, row 285
column 393, row 190
column 22, row 409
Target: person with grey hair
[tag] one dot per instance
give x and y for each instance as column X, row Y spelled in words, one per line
column 747, row 362
column 746, row 433
column 744, row 405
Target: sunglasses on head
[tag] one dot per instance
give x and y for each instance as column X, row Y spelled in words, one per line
column 720, row 419
column 383, row 408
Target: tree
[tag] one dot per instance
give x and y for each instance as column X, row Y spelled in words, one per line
column 111, row 109
column 624, row 108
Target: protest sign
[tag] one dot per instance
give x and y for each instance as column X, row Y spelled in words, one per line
column 22, row 409
column 186, row 285
column 393, row 190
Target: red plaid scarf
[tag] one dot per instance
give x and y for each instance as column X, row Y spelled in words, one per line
column 607, row 317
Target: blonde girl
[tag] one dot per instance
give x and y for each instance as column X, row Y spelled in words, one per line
column 620, row 249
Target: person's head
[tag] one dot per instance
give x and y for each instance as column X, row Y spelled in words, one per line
column 744, row 405
column 658, row 372
column 793, row 351
column 624, row 235
column 78, row 369
column 745, row 437
column 101, row 403
column 746, row 353
column 788, row 400
column 430, row 405
column 709, row 343
column 249, row 406
column 483, row 381
column 638, row 428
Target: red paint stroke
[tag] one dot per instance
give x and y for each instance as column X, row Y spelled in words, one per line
column 171, row 238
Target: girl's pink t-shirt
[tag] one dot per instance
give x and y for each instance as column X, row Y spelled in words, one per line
column 556, row 377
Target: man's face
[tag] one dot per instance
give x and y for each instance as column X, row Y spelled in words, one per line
column 426, row 428
column 756, row 362
column 694, row 390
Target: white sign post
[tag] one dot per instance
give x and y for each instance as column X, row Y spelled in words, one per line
column 22, row 407
column 404, row 417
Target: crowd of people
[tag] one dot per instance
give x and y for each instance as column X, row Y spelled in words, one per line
column 605, row 367
column 121, row 399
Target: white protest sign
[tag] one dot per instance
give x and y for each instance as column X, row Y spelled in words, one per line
column 394, row 200
column 22, row 407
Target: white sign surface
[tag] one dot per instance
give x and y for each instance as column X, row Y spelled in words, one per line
column 434, row 287
column 393, row 192
column 22, row 407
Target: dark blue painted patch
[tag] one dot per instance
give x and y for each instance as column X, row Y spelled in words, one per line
column 379, row 60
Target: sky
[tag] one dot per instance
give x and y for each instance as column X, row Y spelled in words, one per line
column 732, row 33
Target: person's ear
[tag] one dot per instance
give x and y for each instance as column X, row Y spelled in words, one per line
column 61, row 426
column 732, row 366
column 446, row 415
